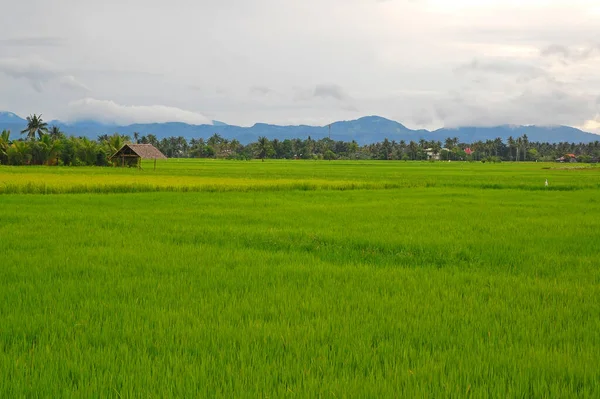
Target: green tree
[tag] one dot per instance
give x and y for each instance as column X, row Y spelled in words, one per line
column 511, row 145
column 4, row 146
column 52, row 148
column 45, row 151
column 19, row 154
column 264, row 148
column 533, row 154
column 519, row 145
column 385, row 150
column 436, row 148
column 412, row 148
column 525, row 144
column 35, row 124
column 353, row 149
column 86, row 151
column 116, row 142
column 55, row 133
column 329, row 155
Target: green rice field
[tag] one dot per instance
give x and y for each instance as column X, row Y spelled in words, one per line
column 300, row 279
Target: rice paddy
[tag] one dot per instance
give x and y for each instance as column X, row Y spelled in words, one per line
column 300, row 279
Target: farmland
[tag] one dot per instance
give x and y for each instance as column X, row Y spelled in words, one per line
column 301, row 279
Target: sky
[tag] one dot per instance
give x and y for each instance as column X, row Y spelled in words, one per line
column 424, row 63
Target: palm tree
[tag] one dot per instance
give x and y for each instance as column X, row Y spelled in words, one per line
column 50, row 149
column 4, row 146
column 35, row 124
column 55, row 133
column 412, row 147
column 87, row 150
column 136, row 137
column 525, row 143
column 116, row 142
column 519, row 144
column 497, row 144
column 20, row 154
column 263, row 147
column 511, row 145
column 436, row 148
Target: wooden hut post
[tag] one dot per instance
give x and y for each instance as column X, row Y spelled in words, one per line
column 154, row 163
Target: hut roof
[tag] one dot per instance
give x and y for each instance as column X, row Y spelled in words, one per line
column 144, row 151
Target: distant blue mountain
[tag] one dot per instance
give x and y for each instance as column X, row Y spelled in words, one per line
column 12, row 122
column 9, row 117
column 370, row 129
column 550, row 134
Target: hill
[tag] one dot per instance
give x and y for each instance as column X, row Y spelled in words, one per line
column 365, row 130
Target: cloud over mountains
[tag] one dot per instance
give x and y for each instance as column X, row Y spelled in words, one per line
column 111, row 112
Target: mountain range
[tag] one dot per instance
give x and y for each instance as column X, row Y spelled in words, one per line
column 366, row 130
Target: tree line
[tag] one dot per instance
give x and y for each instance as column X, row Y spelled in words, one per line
column 40, row 144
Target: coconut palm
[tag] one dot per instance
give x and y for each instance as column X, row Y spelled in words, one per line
column 518, row 144
column 511, row 145
column 35, row 124
column 19, row 153
column 525, row 143
column 263, row 148
column 4, row 146
column 55, row 133
column 116, row 141
column 412, row 148
column 50, row 149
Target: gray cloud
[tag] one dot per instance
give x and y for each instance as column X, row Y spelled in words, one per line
column 535, row 104
column 362, row 53
column 260, row 90
column 349, row 108
column 422, row 117
column 38, row 72
column 571, row 53
column 521, row 70
column 33, row 42
column 69, row 82
column 555, row 49
column 330, row 91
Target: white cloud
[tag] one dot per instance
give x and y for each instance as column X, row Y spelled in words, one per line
column 38, row 72
column 70, row 82
column 536, row 60
column 111, row 112
column 592, row 125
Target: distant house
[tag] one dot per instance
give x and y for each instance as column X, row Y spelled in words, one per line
column 567, row 158
column 131, row 155
column 431, row 154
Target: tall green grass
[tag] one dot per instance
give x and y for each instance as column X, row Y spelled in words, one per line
column 210, row 175
column 424, row 292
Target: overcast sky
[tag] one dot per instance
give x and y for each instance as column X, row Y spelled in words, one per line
column 425, row 63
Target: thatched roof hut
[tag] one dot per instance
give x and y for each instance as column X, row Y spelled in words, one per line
column 132, row 154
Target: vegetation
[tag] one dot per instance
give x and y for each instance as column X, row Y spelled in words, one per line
column 81, row 151
column 35, row 124
column 184, row 175
column 308, row 279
